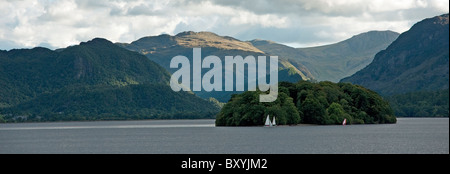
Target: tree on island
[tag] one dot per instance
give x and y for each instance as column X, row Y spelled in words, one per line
column 246, row 110
column 306, row 102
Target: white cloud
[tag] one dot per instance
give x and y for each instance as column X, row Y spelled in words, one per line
column 67, row 22
column 29, row 23
column 440, row 5
column 267, row 20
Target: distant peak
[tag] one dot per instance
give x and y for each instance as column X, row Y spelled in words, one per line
column 262, row 41
column 443, row 19
column 381, row 31
column 185, row 33
column 191, row 33
column 437, row 20
column 377, row 32
column 97, row 41
column 35, row 49
column 191, row 39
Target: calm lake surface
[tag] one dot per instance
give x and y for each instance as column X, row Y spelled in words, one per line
column 408, row 136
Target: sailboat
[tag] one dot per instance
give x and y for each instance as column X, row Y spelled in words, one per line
column 268, row 123
column 344, row 122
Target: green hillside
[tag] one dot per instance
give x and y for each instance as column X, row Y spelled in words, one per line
column 417, row 61
column 91, row 81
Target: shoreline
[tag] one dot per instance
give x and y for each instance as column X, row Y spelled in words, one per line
column 202, row 119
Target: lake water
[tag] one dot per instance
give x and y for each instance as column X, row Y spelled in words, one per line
column 408, row 136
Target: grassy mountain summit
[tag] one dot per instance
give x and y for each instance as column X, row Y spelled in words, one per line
column 92, row 80
column 335, row 61
column 189, row 39
column 208, row 39
column 417, row 61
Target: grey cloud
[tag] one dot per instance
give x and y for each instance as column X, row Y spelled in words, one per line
column 331, row 8
column 297, row 7
column 304, row 36
column 306, row 21
column 143, row 10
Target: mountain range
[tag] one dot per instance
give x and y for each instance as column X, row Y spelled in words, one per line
column 99, row 79
column 90, row 81
column 335, row 61
column 417, row 61
column 329, row 62
column 413, row 72
column 161, row 49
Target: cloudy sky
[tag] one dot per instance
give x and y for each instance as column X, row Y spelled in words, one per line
column 298, row 23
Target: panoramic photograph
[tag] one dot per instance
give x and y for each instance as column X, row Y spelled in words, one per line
column 224, row 77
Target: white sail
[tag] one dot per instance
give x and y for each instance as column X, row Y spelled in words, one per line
column 268, row 123
column 344, row 122
column 273, row 122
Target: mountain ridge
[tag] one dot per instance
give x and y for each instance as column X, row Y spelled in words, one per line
column 417, row 61
column 90, row 81
column 162, row 48
column 334, row 61
column 191, row 39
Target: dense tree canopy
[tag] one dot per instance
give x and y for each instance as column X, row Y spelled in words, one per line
column 246, row 110
column 102, row 102
column 307, row 102
column 421, row 104
column 95, row 80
